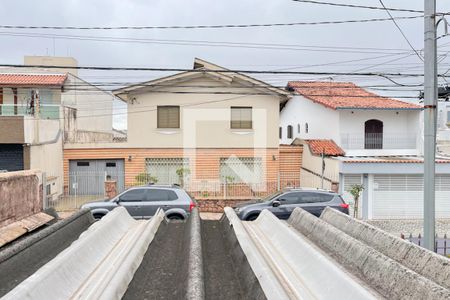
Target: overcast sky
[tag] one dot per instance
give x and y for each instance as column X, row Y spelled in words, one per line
column 171, row 12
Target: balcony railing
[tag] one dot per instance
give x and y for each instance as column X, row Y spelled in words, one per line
column 377, row 141
column 46, row 111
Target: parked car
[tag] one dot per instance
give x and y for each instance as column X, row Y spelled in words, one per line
column 142, row 202
column 282, row 203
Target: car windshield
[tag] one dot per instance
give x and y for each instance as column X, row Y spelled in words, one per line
column 270, row 197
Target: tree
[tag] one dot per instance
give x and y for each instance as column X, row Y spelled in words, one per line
column 356, row 190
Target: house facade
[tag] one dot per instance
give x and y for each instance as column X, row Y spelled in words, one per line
column 381, row 143
column 39, row 110
column 202, row 129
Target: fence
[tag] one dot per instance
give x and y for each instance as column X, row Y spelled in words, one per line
column 85, row 186
column 441, row 245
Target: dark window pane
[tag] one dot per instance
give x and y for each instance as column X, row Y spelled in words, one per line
column 160, row 195
column 315, row 197
column 133, row 195
column 111, row 164
column 82, row 163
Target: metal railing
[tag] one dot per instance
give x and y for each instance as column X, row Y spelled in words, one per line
column 378, row 141
column 46, row 111
column 85, row 186
column 442, row 244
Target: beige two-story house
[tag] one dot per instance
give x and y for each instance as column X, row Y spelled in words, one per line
column 199, row 128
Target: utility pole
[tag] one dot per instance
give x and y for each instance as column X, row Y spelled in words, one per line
column 430, row 103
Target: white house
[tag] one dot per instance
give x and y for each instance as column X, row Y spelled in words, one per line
column 381, row 141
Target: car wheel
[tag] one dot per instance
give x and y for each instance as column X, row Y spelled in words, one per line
column 175, row 217
column 252, row 217
column 98, row 216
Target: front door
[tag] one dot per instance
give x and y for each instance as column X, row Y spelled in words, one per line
column 373, row 134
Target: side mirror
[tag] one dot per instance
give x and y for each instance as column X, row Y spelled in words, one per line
column 276, row 203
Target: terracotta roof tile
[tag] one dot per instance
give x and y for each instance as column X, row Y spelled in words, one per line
column 32, row 79
column 346, row 95
column 328, row 147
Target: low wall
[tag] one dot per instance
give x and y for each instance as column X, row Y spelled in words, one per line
column 21, row 195
column 217, row 205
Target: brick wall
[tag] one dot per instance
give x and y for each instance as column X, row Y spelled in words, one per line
column 20, row 196
column 217, row 206
column 204, row 162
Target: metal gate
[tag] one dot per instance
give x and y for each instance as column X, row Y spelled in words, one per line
column 87, row 177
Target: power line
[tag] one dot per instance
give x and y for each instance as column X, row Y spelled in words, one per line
column 401, row 31
column 205, row 43
column 206, row 26
column 359, row 6
column 99, row 68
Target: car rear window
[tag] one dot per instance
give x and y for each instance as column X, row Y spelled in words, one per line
column 161, row 195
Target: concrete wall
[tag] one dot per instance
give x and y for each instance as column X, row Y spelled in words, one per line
column 20, row 195
column 204, row 117
column 312, row 168
column 94, row 106
column 36, row 250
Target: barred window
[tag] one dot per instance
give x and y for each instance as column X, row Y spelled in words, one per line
column 241, row 117
column 167, row 170
column 241, row 169
column 168, row 116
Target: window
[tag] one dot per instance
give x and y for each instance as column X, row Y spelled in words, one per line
column 241, row 118
column 134, row 195
column 82, row 164
column 306, row 128
column 241, row 169
column 280, row 132
column 298, row 128
column 110, row 164
column 168, row 116
column 373, row 134
column 167, row 170
column 290, row 198
column 289, row 131
column 315, row 197
column 161, row 195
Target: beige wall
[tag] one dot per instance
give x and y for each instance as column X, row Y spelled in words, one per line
column 52, row 61
column 204, row 118
column 313, row 163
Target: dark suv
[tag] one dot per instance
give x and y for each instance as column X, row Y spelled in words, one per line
column 282, row 203
column 142, row 202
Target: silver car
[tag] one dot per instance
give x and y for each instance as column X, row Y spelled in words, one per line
column 142, row 202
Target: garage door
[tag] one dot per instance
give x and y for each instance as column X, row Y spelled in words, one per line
column 87, row 177
column 11, row 157
column 401, row 196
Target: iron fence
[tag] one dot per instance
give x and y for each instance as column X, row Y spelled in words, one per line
column 85, row 186
column 442, row 244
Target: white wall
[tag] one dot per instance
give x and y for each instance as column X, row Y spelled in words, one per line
column 323, row 123
column 94, row 106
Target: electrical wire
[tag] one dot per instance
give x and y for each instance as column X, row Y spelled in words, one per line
column 359, row 6
column 206, row 26
column 401, row 31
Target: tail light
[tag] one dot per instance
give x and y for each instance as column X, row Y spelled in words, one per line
column 191, row 206
column 344, row 205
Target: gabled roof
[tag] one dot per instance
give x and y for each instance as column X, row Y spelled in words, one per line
column 201, row 68
column 9, row 79
column 327, row 147
column 346, row 95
